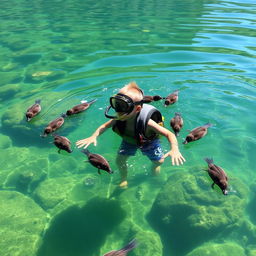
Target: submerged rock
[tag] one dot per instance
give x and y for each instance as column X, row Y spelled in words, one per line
column 5, row 141
column 53, row 191
column 213, row 249
column 9, row 91
column 187, row 207
column 22, row 222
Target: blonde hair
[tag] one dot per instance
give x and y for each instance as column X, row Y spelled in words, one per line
column 132, row 87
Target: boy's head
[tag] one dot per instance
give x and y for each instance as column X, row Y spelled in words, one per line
column 127, row 102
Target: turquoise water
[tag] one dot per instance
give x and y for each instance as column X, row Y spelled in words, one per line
column 63, row 52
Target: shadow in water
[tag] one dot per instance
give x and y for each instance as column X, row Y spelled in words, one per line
column 174, row 228
column 82, row 231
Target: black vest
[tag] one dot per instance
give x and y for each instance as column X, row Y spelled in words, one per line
column 147, row 112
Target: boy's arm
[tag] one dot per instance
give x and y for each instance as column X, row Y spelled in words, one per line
column 93, row 138
column 174, row 153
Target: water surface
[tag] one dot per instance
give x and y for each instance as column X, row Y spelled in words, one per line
column 63, row 52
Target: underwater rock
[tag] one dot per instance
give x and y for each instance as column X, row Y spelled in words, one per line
column 58, row 57
column 26, row 58
column 22, row 223
column 17, row 45
column 224, row 249
column 55, row 75
column 149, row 243
column 10, row 78
column 53, row 191
column 9, row 67
column 8, row 166
column 186, row 207
column 8, row 91
column 63, row 167
column 5, row 141
column 82, row 228
column 26, row 177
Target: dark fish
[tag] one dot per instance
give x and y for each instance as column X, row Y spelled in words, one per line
column 124, row 250
column 148, row 98
column 62, row 143
column 33, row 110
column 171, row 98
column 197, row 133
column 176, row 123
column 218, row 175
column 79, row 108
column 98, row 161
column 54, row 125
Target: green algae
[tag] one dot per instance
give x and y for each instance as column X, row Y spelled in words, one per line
column 224, row 249
column 186, row 207
column 22, row 223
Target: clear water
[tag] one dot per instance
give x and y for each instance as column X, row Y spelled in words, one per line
column 66, row 51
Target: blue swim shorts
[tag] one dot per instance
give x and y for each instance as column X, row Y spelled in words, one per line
column 152, row 150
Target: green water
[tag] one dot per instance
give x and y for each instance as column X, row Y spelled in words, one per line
column 66, row 51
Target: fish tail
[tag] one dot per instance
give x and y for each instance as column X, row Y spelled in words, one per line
column 208, row 160
column 208, row 125
column 92, row 101
column 38, row 101
column 131, row 245
column 63, row 115
column 85, row 151
column 177, row 114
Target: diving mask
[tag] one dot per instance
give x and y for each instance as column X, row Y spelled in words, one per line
column 122, row 103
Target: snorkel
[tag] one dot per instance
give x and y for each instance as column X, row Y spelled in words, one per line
column 109, row 116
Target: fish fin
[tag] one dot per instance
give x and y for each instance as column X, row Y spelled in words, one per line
column 99, row 171
column 207, row 125
column 85, row 151
column 91, row 101
column 213, row 185
column 208, row 160
column 131, row 245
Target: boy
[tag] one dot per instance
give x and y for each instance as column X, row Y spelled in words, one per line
column 139, row 126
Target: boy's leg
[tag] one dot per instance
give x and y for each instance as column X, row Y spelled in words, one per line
column 121, row 161
column 125, row 151
column 156, row 167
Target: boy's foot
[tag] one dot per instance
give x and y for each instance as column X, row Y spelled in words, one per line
column 123, row 184
column 156, row 171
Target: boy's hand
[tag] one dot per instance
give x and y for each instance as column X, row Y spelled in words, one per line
column 176, row 156
column 86, row 142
